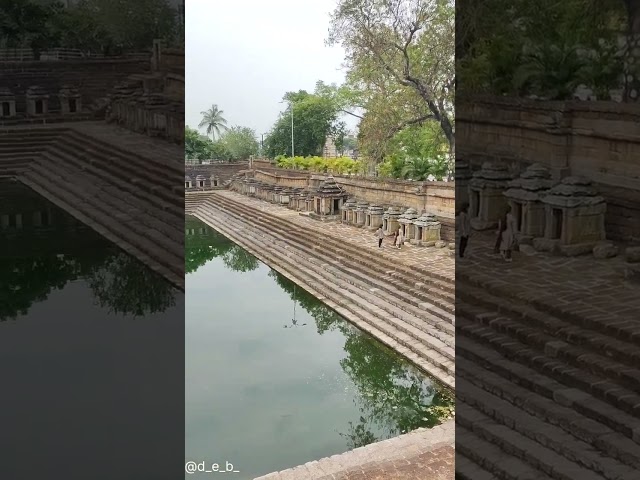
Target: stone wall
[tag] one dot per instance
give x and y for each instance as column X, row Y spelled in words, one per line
column 598, row 140
column 434, row 197
column 93, row 78
column 224, row 171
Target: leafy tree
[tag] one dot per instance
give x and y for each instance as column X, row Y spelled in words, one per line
column 213, row 120
column 199, row 147
column 240, row 142
column 402, row 53
column 543, row 48
column 315, row 118
column 132, row 25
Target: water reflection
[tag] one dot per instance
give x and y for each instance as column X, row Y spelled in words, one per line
column 202, row 244
column 391, row 396
column 42, row 249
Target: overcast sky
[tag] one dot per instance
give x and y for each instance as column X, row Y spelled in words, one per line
column 244, row 55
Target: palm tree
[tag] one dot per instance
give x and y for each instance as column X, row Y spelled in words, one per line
column 213, row 120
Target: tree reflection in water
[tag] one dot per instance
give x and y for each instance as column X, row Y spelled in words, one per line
column 393, row 396
column 203, row 243
column 37, row 260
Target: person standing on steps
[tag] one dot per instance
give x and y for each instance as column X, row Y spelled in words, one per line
column 464, row 227
column 507, row 235
column 380, row 236
column 400, row 239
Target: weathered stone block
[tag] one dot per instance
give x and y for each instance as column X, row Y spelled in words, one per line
column 632, row 254
column 605, row 250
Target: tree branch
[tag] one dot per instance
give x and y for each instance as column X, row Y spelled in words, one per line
column 408, row 123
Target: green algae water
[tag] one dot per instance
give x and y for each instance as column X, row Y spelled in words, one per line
column 84, row 331
column 274, row 378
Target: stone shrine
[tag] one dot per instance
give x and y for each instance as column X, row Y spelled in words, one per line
column 426, row 230
column 37, row 101
column 574, row 218
column 525, row 198
column 328, row 199
column 486, row 200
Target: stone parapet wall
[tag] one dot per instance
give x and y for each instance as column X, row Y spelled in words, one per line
column 93, row 78
column 224, row 171
column 598, row 140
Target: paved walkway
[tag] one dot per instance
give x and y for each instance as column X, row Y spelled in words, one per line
column 584, row 286
column 440, row 259
column 419, row 455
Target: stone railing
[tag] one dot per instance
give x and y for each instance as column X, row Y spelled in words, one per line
column 597, row 140
column 94, row 78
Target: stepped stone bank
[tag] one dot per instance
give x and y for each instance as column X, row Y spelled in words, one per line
column 78, row 133
column 319, row 231
column 547, row 347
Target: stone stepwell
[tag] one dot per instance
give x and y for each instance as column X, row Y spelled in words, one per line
column 543, row 393
column 411, row 309
column 131, row 199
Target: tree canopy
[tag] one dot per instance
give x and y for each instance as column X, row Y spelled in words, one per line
column 213, row 122
column 236, row 143
column 545, row 48
column 92, row 26
column 315, row 117
column 400, row 59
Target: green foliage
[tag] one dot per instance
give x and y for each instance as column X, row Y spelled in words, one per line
column 315, row 117
column 206, row 244
column 417, row 153
column 391, row 393
column 237, row 143
column 401, row 66
column 240, row 143
column 338, row 166
column 98, row 26
column 213, row 121
column 545, row 48
column 199, row 147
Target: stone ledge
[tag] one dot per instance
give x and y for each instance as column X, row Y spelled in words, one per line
column 374, row 455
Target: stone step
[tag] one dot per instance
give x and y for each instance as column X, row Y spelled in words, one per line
column 338, row 251
column 108, row 227
column 467, row 470
column 423, row 311
column 540, row 437
column 532, row 455
column 166, row 206
column 115, row 196
column 511, row 347
column 624, row 328
column 105, row 211
column 426, row 274
column 537, row 417
column 558, row 340
column 412, row 325
column 361, row 276
column 605, row 344
column 340, row 248
column 154, row 174
column 352, row 304
column 161, row 158
column 583, row 402
column 491, row 458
